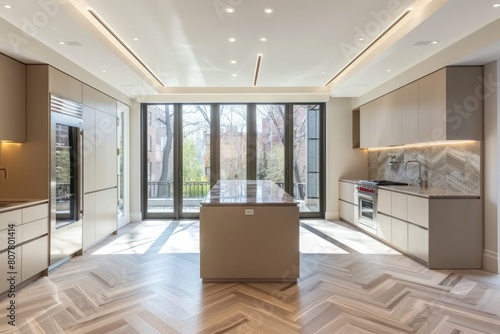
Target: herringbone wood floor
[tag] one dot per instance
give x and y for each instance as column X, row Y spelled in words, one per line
column 146, row 280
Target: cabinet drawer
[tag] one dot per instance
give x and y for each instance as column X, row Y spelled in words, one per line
column 11, row 217
column 384, row 202
column 346, row 192
column 35, row 257
column 347, row 211
column 399, row 205
column 384, row 229
column 34, row 229
column 418, row 211
column 35, row 213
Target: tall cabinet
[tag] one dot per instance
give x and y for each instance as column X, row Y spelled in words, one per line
column 100, row 166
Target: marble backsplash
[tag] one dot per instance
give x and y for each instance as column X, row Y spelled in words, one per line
column 455, row 167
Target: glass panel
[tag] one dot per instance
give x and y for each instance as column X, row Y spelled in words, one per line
column 195, row 155
column 66, row 175
column 233, row 142
column 121, row 165
column 270, row 143
column 306, row 157
column 160, row 185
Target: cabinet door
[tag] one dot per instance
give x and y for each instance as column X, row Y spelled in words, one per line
column 106, row 153
column 379, row 127
column 384, row 201
column 384, row 230
column 366, row 126
column 100, row 212
column 418, row 242
column 35, row 257
column 75, row 90
column 432, row 107
column 347, row 211
column 346, row 192
column 111, row 210
column 399, row 234
column 7, row 218
column 4, row 269
column 399, row 205
column 58, row 82
column 12, row 100
column 418, row 211
column 89, row 219
column 409, row 113
column 35, row 213
column 89, row 150
column 393, row 126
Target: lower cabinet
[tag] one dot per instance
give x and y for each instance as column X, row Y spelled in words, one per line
column 399, row 234
column 100, row 216
column 418, row 242
column 348, row 204
column 347, row 212
column 34, row 257
column 384, row 230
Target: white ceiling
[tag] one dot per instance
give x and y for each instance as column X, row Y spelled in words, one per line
column 185, row 42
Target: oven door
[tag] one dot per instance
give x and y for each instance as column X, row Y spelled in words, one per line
column 367, row 207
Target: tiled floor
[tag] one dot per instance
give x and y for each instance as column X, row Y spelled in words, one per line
column 146, row 280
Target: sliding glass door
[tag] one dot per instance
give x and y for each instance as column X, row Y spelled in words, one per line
column 187, row 148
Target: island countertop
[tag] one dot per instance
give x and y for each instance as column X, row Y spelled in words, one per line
column 247, row 192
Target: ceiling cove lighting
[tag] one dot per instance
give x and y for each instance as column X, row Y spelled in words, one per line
column 376, row 39
column 132, row 53
column 258, row 64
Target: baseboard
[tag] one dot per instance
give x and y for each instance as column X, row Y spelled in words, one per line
column 332, row 215
column 135, row 217
column 490, row 261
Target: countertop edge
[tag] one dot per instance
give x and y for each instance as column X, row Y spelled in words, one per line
column 349, row 181
column 430, row 196
column 27, row 204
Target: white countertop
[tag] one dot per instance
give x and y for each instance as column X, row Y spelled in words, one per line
column 428, row 192
column 247, row 192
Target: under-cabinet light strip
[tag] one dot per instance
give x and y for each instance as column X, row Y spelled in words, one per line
column 257, row 69
column 385, row 31
column 115, row 35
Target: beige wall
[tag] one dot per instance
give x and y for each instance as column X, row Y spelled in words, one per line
column 491, row 261
column 135, row 163
column 342, row 161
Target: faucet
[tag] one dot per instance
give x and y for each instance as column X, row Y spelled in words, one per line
column 419, row 180
column 6, row 172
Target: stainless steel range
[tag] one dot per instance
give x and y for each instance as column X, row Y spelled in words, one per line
column 367, row 201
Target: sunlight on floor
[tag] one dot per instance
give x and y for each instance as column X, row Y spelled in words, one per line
column 164, row 237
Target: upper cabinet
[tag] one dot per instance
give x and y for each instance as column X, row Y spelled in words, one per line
column 12, row 100
column 65, row 86
column 444, row 105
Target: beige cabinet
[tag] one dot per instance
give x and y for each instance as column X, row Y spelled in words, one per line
column 100, row 215
column 418, row 242
column 443, row 105
column 64, row 85
column 399, row 205
column 384, row 202
column 89, row 150
column 348, row 202
column 89, row 220
column 12, row 100
column 31, row 241
column 399, row 229
column 409, row 113
column 418, row 211
column 105, row 150
column 384, row 228
column 432, row 104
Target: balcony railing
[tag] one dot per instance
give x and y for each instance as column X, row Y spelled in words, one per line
column 198, row 189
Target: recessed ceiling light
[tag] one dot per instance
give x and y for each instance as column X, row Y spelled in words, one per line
column 389, row 70
column 435, row 42
column 135, row 39
column 232, row 39
column 7, row 6
column 263, row 39
column 103, row 71
column 268, row 10
column 235, row 75
column 61, row 42
column 361, row 39
column 229, row 10
column 496, row 5
column 233, row 61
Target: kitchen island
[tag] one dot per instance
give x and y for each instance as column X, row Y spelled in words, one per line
column 249, row 232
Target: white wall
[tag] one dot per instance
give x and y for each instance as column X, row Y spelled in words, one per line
column 342, row 161
column 491, row 261
column 135, row 163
